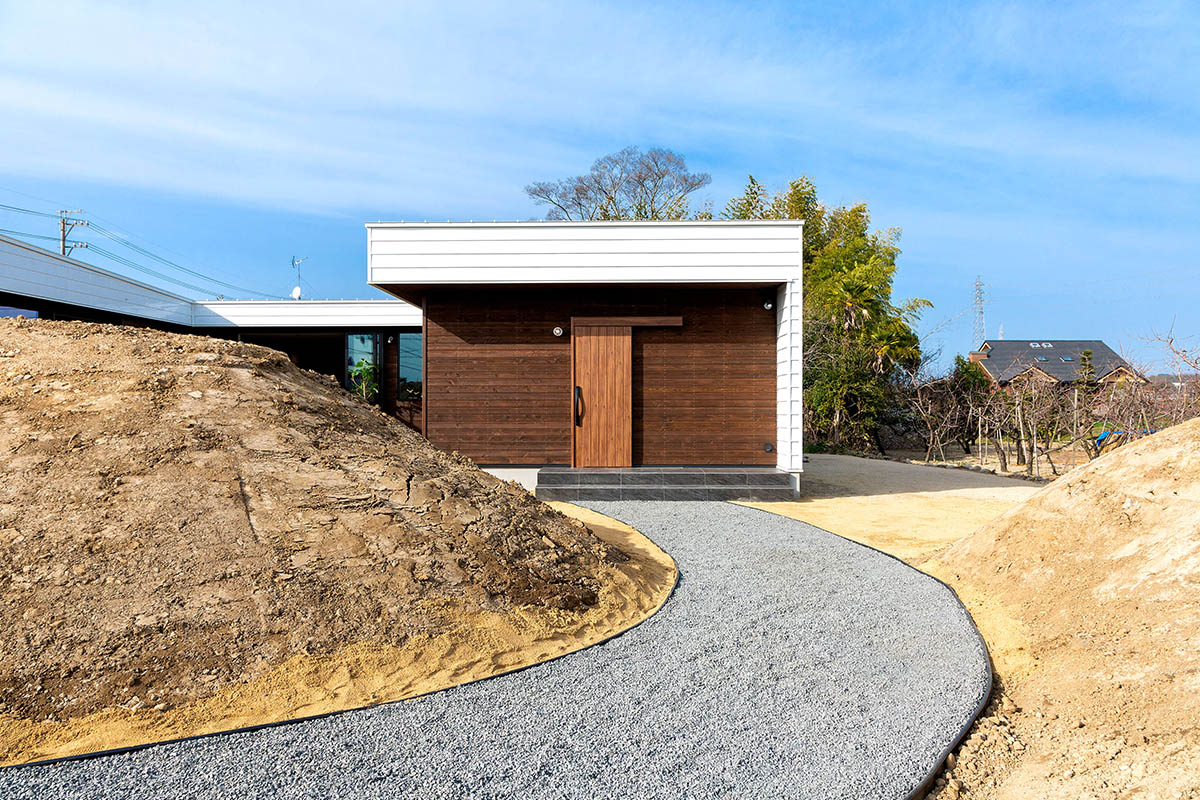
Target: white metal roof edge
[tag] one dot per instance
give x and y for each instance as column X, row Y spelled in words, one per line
column 347, row 300
column 557, row 223
column 488, row 281
column 43, row 252
column 345, row 313
column 376, row 307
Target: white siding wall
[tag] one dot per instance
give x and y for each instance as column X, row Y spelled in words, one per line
column 789, row 377
column 34, row 272
column 305, row 314
column 580, row 252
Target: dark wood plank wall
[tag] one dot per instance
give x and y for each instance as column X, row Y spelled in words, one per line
column 389, row 373
column 498, row 382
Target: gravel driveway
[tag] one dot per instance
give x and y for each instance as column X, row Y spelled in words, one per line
column 788, row 663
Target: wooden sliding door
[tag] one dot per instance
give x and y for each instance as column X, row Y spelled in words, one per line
column 603, row 396
column 602, row 386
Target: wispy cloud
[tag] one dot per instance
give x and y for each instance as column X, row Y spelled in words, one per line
column 348, row 106
column 975, row 126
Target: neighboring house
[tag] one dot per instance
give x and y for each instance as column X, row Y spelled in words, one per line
column 572, row 344
column 1055, row 360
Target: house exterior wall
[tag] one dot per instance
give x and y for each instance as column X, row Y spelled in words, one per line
column 421, row 260
column 459, row 253
column 498, row 382
column 789, row 375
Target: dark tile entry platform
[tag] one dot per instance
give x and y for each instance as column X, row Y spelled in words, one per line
column 664, row 483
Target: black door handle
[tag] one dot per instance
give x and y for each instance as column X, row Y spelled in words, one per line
column 578, row 407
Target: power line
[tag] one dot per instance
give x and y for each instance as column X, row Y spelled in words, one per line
column 116, row 237
column 30, row 196
column 66, row 223
column 134, row 265
column 26, row 211
column 28, row 235
column 117, row 258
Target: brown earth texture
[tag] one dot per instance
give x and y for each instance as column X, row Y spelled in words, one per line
column 183, row 517
column 1089, row 596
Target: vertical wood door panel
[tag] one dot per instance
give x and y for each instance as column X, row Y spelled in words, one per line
column 603, row 421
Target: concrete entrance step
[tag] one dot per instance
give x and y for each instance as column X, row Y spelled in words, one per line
column 664, row 483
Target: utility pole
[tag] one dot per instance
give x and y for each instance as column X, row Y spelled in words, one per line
column 980, row 328
column 67, row 224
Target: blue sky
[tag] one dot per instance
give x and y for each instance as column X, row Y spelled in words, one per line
column 1051, row 148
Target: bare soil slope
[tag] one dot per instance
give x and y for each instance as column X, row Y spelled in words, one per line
column 1101, row 573
column 180, row 515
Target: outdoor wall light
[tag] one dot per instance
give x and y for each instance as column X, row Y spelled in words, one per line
column 768, row 305
column 557, row 331
column 770, row 448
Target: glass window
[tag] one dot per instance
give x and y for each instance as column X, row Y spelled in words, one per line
column 1042, row 358
column 1067, row 358
column 362, row 364
column 408, row 384
column 10, row 311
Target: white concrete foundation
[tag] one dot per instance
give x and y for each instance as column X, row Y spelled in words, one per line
column 526, row 476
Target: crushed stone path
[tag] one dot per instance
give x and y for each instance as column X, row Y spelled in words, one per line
column 788, row 663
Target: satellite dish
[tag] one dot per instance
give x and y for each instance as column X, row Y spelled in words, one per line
column 296, row 293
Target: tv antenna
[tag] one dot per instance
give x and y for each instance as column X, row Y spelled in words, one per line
column 296, row 262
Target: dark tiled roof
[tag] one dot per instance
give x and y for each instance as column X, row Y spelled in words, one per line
column 1008, row 358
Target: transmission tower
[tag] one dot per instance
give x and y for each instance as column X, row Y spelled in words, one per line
column 980, row 331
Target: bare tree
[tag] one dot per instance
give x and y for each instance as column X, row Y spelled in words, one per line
column 932, row 399
column 1186, row 351
column 628, row 184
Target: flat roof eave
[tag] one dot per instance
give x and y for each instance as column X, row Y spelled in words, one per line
column 584, row 223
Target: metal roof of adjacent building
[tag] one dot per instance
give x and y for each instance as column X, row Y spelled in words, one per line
column 1058, row 358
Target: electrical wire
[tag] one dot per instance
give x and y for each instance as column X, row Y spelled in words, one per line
column 27, row 211
column 118, row 238
column 30, row 196
column 134, row 265
column 117, row 258
column 29, row 235
column 124, row 240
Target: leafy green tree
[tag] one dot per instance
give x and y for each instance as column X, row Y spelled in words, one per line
column 753, row 204
column 856, row 337
column 1087, row 370
column 364, row 379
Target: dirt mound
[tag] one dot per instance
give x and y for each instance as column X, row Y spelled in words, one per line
column 1101, row 571
column 179, row 513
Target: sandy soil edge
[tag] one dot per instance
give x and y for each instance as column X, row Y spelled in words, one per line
column 481, row 645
